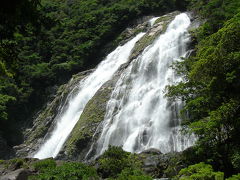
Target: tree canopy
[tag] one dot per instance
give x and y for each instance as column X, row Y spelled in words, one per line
column 211, row 85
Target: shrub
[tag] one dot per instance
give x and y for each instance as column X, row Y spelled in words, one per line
column 44, row 164
column 68, row 170
column 200, row 171
column 128, row 174
column 234, row 177
column 117, row 163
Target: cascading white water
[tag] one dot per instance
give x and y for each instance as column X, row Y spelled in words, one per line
column 153, row 20
column 138, row 116
column 74, row 105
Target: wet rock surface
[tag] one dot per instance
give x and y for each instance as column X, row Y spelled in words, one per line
column 87, row 130
column 160, row 165
column 20, row 174
column 16, row 169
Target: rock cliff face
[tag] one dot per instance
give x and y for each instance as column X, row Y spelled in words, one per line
column 81, row 143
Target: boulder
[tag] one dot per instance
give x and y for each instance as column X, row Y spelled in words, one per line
column 19, row 174
column 160, row 165
column 152, row 151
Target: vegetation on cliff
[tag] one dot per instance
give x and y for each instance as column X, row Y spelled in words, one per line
column 211, row 85
column 43, row 45
column 113, row 164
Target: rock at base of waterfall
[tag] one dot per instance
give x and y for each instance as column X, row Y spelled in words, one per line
column 17, row 169
column 151, row 151
column 162, row 165
column 20, row 174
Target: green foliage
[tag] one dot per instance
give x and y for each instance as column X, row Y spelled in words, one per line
column 199, row 171
column 14, row 13
column 4, row 100
column 116, row 163
column 2, row 161
column 15, row 163
column 68, row 170
column 235, row 158
column 216, row 12
column 211, row 86
column 234, row 177
column 129, row 174
column 43, row 165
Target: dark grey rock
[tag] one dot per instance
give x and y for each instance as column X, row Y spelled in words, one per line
column 19, row 174
column 5, row 151
column 151, row 151
column 160, row 165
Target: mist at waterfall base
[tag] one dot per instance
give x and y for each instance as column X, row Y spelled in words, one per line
column 138, row 116
column 71, row 109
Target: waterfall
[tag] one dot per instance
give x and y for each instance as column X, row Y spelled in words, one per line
column 138, row 116
column 71, row 110
column 153, row 20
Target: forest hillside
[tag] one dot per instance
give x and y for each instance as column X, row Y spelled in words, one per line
column 44, row 43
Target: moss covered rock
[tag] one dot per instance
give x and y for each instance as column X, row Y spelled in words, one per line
column 168, row 165
column 159, row 27
column 85, row 131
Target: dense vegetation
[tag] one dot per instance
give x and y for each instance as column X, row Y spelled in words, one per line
column 118, row 164
column 114, row 164
column 48, row 169
column 199, row 171
column 211, row 86
column 44, row 43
